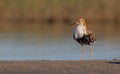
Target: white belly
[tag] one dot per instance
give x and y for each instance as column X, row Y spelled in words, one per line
column 79, row 32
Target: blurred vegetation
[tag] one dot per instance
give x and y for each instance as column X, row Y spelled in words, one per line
column 59, row 10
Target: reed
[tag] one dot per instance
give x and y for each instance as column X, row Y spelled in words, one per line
column 59, row 10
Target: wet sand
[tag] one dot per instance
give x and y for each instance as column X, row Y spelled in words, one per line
column 60, row 67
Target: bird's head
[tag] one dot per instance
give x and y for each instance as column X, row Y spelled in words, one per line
column 80, row 21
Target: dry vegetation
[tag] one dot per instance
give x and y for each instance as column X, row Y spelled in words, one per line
column 59, row 10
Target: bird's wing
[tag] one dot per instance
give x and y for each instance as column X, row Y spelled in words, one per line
column 92, row 35
column 89, row 32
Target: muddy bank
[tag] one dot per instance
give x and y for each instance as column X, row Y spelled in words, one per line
column 60, row 67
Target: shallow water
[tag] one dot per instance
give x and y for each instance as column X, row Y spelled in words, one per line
column 55, row 42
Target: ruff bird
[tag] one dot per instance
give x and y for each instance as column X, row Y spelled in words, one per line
column 83, row 36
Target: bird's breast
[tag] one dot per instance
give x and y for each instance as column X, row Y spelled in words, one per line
column 79, row 32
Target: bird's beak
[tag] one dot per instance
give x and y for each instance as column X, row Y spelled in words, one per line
column 73, row 24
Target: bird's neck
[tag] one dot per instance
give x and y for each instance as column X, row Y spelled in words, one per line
column 82, row 29
column 81, row 25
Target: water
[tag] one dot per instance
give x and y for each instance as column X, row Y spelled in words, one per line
column 55, row 42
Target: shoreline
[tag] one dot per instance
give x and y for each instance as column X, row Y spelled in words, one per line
column 60, row 67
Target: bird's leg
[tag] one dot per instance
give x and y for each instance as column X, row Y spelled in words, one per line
column 82, row 58
column 91, row 53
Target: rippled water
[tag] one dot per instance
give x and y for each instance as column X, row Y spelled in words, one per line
column 55, row 42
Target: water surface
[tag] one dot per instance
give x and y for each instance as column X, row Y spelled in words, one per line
column 55, row 42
